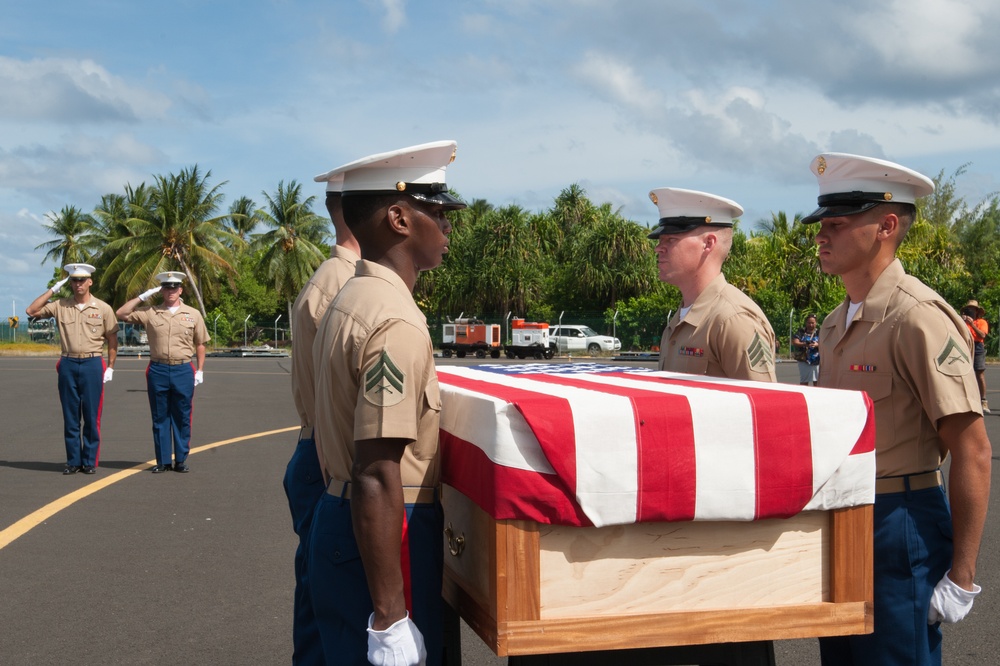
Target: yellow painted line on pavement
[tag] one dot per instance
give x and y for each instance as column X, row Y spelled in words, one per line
column 35, row 518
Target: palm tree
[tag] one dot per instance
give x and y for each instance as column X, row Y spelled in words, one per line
column 177, row 227
column 243, row 219
column 290, row 251
column 613, row 259
column 75, row 237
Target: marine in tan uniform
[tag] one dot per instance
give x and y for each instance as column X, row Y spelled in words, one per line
column 375, row 549
column 896, row 339
column 305, row 481
column 85, row 324
column 718, row 330
column 177, row 334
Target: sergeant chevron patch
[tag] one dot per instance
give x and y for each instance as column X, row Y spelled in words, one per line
column 384, row 382
column 760, row 354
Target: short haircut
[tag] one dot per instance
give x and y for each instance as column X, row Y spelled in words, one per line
column 360, row 208
column 906, row 212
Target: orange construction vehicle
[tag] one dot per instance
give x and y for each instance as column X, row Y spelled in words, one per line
column 470, row 336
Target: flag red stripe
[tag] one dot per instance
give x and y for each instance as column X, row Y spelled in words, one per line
column 550, row 419
column 504, row 492
column 782, row 445
column 665, row 445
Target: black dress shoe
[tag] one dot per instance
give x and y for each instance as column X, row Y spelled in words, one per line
column 87, row 469
column 181, row 467
column 71, row 469
column 160, row 468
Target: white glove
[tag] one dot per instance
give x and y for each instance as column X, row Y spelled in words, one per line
column 199, row 377
column 144, row 296
column 108, row 374
column 950, row 603
column 401, row 644
column 58, row 285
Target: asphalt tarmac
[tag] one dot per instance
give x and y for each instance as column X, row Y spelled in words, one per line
column 127, row 567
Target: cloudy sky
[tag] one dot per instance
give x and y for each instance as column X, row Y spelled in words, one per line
column 621, row 96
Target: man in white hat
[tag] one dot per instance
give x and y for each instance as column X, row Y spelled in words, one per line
column 718, row 330
column 85, row 324
column 176, row 333
column 899, row 341
column 305, row 480
column 375, row 551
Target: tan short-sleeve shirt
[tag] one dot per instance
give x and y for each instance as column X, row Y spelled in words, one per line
column 375, row 376
column 724, row 334
column 909, row 351
column 173, row 336
column 81, row 331
column 308, row 310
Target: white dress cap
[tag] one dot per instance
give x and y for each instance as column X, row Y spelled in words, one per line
column 684, row 210
column 852, row 184
column 417, row 170
column 170, row 278
column 334, row 180
column 79, row 270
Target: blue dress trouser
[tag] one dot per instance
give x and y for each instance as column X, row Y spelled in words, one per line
column 171, row 391
column 913, row 550
column 339, row 589
column 303, row 487
column 81, row 393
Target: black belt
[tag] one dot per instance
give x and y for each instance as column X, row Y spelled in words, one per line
column 411, row 494
column 164, row 361
column 901, row 484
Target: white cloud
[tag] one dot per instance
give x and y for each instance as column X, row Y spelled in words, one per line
column 72, row 91
column 395, row 15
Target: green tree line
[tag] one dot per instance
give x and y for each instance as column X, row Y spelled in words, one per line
column 579, row 259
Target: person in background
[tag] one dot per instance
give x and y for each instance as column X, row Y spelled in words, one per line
column 305, row 480
column 718, row 330
column 896, row 339
column 375, row 546
column 805, row 350
column 176, row 333
column 973, row 315
column 85, row 324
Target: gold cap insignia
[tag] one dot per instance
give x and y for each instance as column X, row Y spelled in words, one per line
column 708, row 219
column 401, row 186
column 652, row 197
column 821, row 165
column 887, row 196
column 452, row 156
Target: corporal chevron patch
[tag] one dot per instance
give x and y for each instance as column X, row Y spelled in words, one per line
column 760, row 354
column 953, row 359
column 384, row 382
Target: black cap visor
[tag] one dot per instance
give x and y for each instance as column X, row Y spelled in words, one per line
column 432, row 193
column 680, row 225
column 843, row 204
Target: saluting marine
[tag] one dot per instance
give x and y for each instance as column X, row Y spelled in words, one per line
column 176, row 333
column 375, row 549
column 85, row 324
column 718, row 330
column 901, row 343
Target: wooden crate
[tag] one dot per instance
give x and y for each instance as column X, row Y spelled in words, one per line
column 528, row 588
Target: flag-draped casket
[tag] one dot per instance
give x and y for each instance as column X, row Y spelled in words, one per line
column 598, row 507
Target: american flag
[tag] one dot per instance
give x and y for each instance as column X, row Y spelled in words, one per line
column 590, row 444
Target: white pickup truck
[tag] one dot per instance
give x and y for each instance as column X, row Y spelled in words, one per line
column 572, row 338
